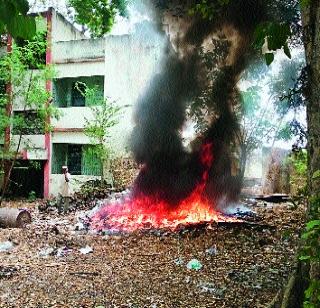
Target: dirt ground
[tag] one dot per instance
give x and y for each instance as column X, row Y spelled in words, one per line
column 242, row 265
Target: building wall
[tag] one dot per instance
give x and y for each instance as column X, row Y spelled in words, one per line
column 77, row 51
column 80, row 69
column 62, row 30
column 72, row 117
column 70, row 137
column 130, row 62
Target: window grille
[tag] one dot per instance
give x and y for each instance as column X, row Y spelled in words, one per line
column 66, row 95
column 80, row 159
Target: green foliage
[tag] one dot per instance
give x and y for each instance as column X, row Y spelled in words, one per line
column 305, row 3
column 27, row 85
column 299, row 161
column 311, row 251
column 32, row 196
column 98, row 16
column 14, row 19
column 105, row 116
column 208, row 9
column 276, row 35
column 28, row 91
column 316, row 175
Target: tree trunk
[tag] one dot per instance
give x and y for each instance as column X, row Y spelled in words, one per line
column 311, row 38
column 311, row 26
column 243, row 161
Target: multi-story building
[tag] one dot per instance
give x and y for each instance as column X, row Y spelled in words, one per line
column 119, row 66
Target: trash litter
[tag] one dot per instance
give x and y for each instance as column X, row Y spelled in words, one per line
column 194, row 264
column 86, row 250
column 6, row 246
column 207, row 287
column 79, row 226
column 7, row 271
column 179, row 261
column 212, row 251
column 45, row 252
column 63, row 251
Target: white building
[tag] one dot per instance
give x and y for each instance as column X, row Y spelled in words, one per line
column 120, row 66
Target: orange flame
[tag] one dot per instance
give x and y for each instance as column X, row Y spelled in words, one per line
column 144, row 212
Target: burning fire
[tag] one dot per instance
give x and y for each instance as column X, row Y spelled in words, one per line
column 146, row 212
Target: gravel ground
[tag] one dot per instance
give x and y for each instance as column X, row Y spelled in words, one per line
column 242, row 265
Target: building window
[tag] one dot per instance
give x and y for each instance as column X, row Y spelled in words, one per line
column 80, row 159
column 67, row 94
column 74, row 156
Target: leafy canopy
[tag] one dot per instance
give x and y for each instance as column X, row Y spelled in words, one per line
column 98, row 16
column 14, row 19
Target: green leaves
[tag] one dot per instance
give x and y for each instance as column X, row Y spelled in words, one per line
column 304, row 3
column 14, row 19
column 208, row 9
column 312, row 224
column 275, row 35
column 269, row 56
column 316, row 175
column 98, row 16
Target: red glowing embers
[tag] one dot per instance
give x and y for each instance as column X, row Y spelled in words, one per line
column 145, row 212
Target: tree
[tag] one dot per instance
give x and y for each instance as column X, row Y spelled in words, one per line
column 98, row 16
column 26, row 87
column 14, row 19
column 105, row 115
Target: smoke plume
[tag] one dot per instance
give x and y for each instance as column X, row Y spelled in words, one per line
column 169, row 171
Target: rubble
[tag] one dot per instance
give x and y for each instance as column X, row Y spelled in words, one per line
column 250, row 265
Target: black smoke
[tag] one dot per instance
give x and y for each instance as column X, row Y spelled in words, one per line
column 169, row 171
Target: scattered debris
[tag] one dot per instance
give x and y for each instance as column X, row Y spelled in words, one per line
column 207, row 287
column 212, row 251
column 6, row 246
column 194, row 264
column 275, row 198
column 252, row 262
column 7, row 271
column 45, row 252
column 79, row 226
column 86, row 250
column 63, row 251
column 179, row 261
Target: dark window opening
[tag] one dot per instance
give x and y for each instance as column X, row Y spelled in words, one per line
column 27, row 178
column 68, row 92
column 80, row 159
column 74, row 158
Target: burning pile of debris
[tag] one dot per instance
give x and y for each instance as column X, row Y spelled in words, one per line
column 179, row 186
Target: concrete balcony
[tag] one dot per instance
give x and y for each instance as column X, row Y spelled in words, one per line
column 32, row 146
column 78, row 51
